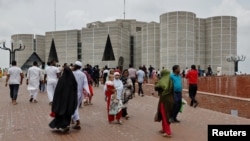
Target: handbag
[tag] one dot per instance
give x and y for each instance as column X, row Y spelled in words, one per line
column 113, row 108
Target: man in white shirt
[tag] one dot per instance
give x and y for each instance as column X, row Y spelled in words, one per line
column 15, row 78
column 132, row 76
column 34, row 75
column 51, row 76
column 82, row 84
column 140, row 79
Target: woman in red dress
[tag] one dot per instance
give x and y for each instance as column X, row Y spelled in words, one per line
column 109, row 91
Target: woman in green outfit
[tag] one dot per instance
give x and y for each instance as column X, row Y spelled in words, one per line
column 166, row 101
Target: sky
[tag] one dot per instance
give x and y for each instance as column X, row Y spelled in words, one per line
column 40, row 16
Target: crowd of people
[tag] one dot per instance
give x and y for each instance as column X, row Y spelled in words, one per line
column 169, row 88
column 65, row 88
column 71, row 86
column 168, row 85
column 3, row 72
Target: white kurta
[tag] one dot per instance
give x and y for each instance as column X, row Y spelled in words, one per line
column 34, row 76
column 51, row 72
column 82, row 83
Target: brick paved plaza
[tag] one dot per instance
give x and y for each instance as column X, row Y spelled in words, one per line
column 29, row 121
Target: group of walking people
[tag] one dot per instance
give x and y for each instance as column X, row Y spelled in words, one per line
column 169, row 88
column 68, row 96
column 67, row 88
column 64, row 88
column 118, row 90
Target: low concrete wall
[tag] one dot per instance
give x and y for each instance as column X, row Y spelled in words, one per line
column 238, row 86
column 217, row 102
column 222, row 103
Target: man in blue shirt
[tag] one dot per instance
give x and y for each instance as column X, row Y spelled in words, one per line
column 177, row 82
column 140, row 79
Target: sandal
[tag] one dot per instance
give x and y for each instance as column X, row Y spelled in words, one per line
column 77, row 127
column 119, row 122
column 166, row 135
column 64, row 130
column 126, row 117
column 161, row 131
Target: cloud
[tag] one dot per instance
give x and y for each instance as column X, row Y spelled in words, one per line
column 237, row 9
column 76, row 19
column 5, row 28
column 8, row 4
column 234, row 8
column 37, row 16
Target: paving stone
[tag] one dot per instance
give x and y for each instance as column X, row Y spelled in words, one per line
column 29, row 121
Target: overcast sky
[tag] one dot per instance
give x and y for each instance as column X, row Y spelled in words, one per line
column 38, row 16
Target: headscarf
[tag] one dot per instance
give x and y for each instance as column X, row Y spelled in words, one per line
column 119, row 87
column 124, row 78
column 164, row 84
column 89, row 78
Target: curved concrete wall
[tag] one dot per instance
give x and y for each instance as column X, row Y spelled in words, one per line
column 221, row 42
column 28, row 41
column 180, row 38
column 177, row 39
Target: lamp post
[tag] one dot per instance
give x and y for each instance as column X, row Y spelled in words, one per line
column 236, row 60
column 12, row 50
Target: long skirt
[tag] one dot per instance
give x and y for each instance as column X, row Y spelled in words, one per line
column 60, row 122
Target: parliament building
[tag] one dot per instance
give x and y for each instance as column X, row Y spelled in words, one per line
column 179, row 38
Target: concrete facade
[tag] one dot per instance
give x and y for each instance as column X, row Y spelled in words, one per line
column 66, row 43
column 39, row 46
column 33, row 43
column 180, row 38
column 150, row 48
column 200, row 36
column 177, row 39
column 187, row 40
column 138, row 48
column 93, row 45
column 221, row 42
column 94, row 38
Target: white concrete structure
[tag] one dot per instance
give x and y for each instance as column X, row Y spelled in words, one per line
column 180, row 38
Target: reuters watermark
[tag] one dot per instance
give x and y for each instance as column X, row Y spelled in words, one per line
column 221, row 132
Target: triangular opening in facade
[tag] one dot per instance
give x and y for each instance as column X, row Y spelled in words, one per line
column 29, row 62
column 108, row 54
column 52, row 52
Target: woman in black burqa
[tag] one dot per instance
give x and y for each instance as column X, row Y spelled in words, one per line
column 64, row 101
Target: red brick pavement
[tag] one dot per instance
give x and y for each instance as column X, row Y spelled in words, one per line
column 29, row 121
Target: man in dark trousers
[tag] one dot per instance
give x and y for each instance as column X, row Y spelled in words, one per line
column 14, row 79
column 177, row 82
column 192, row 77
column 209, row 70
